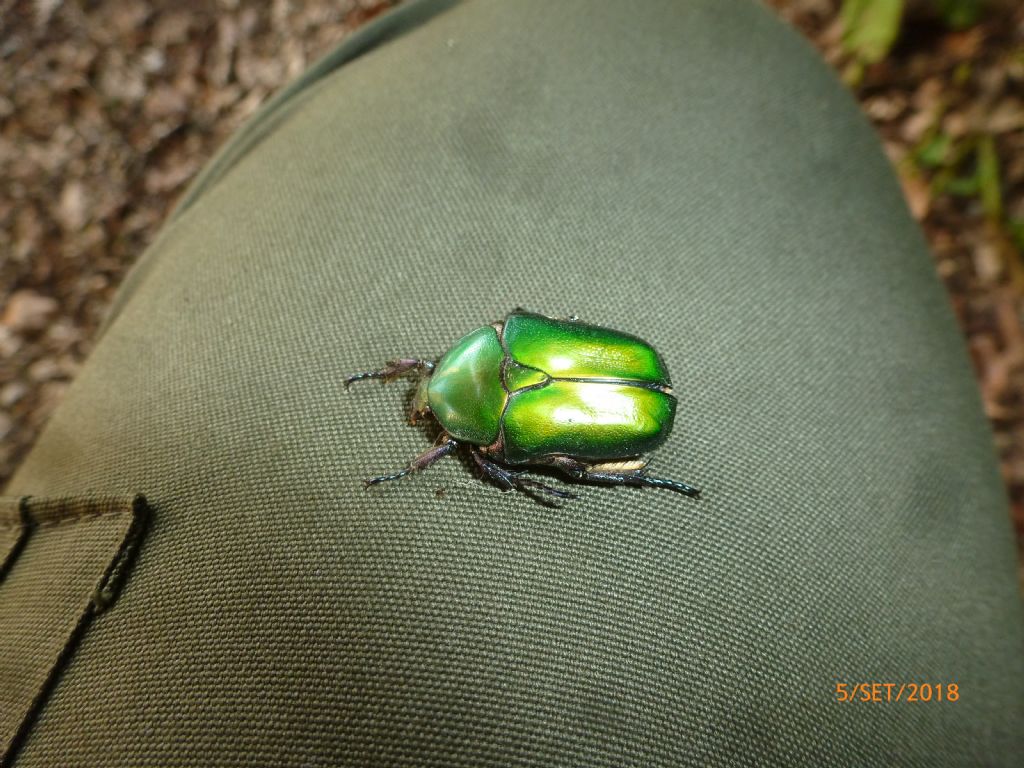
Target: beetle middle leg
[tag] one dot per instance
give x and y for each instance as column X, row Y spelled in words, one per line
column 424, row 460
column 509, row 479
column 627, row 472
column 394, row 369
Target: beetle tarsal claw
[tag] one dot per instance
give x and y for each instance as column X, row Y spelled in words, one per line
column 508, row 479
column 384, row 478
column 546, row 488
column 519, row 480
column 350, row 380
column 394, row 369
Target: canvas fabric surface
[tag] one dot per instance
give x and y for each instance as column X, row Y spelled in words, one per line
column 72, row 556
column 688, row 172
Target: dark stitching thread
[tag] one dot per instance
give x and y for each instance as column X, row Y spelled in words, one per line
column 19, row 544
column 110, row 585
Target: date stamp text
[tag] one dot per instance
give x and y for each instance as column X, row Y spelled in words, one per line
column 885, row 692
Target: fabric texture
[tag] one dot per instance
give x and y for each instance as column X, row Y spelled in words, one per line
column 685, row 171
column 13, row 532
column 71, row 557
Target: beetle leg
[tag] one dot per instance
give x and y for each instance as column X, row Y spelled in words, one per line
column 509, row 479
column 424, row 460
column 629, row 472
column 420, row 402
column 394, row 369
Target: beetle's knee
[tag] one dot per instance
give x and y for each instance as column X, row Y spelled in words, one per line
column 572, row 467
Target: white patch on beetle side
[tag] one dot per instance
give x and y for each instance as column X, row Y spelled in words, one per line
column 630, row 465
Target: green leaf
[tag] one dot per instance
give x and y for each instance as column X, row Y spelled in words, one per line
column 1016, row 229
column 962, row 73
column 870, row 27
column 988, row 178
column 933, row 152
column 965, row 186
column 959, row 14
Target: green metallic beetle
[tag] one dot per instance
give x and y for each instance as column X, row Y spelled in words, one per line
column 548, row 391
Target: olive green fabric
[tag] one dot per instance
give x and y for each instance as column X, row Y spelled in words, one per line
column 686, row 171
column 73, row 554
column 13, row 532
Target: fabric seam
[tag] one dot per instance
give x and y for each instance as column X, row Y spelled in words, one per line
column 102, row 597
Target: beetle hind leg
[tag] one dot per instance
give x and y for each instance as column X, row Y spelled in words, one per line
column 509, row 479
column 394, row 369
column 628, row 472
column 424, row 460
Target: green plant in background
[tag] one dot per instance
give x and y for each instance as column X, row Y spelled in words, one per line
column 959, row 14
column 966, row 166
column 871, row 27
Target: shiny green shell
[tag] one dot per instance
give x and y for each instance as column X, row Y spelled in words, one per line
column 535, row 386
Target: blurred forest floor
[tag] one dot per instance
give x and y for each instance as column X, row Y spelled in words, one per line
column 109, row 108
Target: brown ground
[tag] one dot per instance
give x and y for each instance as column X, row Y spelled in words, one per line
column 109, row 108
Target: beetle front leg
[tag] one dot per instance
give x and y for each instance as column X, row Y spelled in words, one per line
column 508, row 479
column 420, row 402
column 629, row 472
column 424, row 460
column 394, row 369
